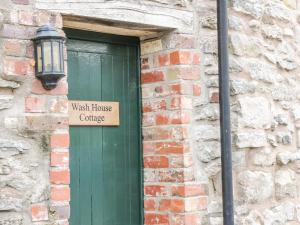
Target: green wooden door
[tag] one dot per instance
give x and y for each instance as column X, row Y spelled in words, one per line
column 105, row 161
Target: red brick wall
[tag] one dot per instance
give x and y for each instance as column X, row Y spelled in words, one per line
column 170, row 83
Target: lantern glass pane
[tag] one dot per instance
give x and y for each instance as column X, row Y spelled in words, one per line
column 56, row 56
column 39, row 58
column 47, row 56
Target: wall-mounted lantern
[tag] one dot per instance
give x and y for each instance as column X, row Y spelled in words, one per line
column 49, row 56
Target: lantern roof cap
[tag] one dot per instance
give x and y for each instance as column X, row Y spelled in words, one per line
column 47, row 32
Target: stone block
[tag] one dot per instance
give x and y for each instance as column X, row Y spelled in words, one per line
column 206, row 133
column 208, row 112
column 264, row 158
column 6, row 101
column 238, row 87
column 263, row 72
column 285, row 184
column 251, row 139
column 8, row 84
column 254, row 8
column 291, row 3
column 243, row 45
column 255, row 112
column 208, row 151
column 284, row 138
column 255, row 186
column 272, row 32
column 278, row 11
column 9, row 147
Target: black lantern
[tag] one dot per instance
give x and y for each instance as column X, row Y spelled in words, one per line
column 49, row 56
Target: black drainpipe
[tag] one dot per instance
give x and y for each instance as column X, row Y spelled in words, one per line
column 224, row 93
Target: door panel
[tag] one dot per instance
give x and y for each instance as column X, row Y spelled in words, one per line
column 105, row 161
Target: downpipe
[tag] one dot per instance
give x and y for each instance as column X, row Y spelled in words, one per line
column 225, row 124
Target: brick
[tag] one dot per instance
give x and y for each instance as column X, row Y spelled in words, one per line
column 203, row 202
column 35, row 104
column 182, row 89
column 60, row 141
column 62, row 212
column 58, row 106
column 21, row 2
column 179, row 133
column 46, row 122
column 155, row 190
column 156, row 162
column 156, row 133
column 149, row 205
column 19, row 67
column 148, row 119
column 42, row 18
column 29, row 50
column 61, row 89
column 180, row 117
column 180, row 161
column 60, row 176
column 66, row 222
column 161, row 91
column 181, row 41
column 56, row 20
column 27, row 18
column 147, row 107
column 39, row 212
column 156, row 219
column 186, row 73
column 189, row 190
column 163, row 60
column 18, row 32
column 154, row 105
column 162, row 119
column 186, row 219
column 60, row 194
column 176, row 88
column 214, row 97
column 151, row 77
column 172, row 205
column 180, row 57
column 60, row 159
column 196, row 59
column 171, row 176
column 148, row 148
column 181, row 102
column 13, row 47
column 196, row 90
column 150, row 175
column 145, row 63
column 147, row 92
column 170, row 147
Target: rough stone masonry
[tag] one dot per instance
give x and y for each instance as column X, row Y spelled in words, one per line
column 180, row 115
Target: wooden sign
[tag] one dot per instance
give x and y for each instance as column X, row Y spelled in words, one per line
column 91, row 113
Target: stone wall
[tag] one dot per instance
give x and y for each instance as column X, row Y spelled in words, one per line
column 265, row 85
column 180, row 113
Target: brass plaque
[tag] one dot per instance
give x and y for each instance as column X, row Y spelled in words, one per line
column 92, row 113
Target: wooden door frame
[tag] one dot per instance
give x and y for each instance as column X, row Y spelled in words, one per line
column 122, row 40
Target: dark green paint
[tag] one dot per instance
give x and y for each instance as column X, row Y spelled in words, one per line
column 105, row 162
